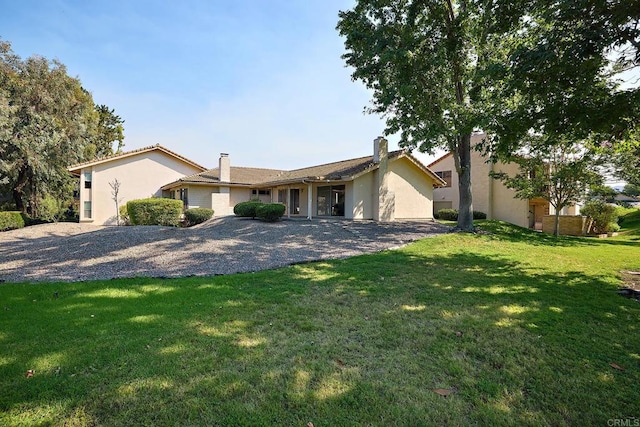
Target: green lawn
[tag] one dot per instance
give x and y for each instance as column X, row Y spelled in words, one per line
column 521, row 328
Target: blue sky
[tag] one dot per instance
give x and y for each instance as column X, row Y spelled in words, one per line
column 260, row 80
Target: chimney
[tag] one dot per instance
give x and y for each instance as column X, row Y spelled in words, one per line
column 224, row 168
column 380, row 149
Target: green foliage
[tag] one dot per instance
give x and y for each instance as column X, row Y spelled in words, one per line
column 270, row 212
column 11, row 221
column 452, row 214
column 632, row 189
column 427, row 65
column 51, row 209
column 155, row 211
column 605, row 192
column 247, row 209
column 479, row 215
column 448, row 214
column 195, row 216
column 47, row 120
column 602, row 214
column 124, row 215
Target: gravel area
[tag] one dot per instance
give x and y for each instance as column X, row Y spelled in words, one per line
column 74, row 252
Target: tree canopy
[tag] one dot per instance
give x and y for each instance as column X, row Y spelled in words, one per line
column 48, row 121
column 440, row 69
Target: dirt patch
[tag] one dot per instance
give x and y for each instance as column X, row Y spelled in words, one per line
column 631, row 288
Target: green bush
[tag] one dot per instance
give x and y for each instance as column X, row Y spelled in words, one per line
column 479, row 215
column 247, row 209
column 11, row 220
column 50, row 209
column 613, row 227
column 270, row 212
column 602, row 214
column 124, row 215
column 197, row 215
column 155, row 211
column 448, row 214
column 452, row 214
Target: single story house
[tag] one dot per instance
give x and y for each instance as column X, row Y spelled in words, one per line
column 385, row 186
column 489, row 195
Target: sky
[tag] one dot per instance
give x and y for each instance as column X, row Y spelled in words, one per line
column 260, row 80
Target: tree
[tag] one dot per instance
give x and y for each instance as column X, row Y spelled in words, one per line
column 108, row 129
column 560, row 173
column 426, row 63
column 631, row 190
column 47, row 119
column 115, row 191
column 562, row 76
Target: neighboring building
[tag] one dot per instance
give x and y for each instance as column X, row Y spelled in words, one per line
column 141, row 173
column 489, row 195
column 384, row 187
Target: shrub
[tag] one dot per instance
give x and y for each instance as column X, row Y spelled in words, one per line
column 124, row 215
column 50, row 209
column 247, row 209
column 270, row 212
column 11, row 220
column 602, row 215
column 613, row 227
column 155, row 211
column 197, row 215
column 448, row 214
column 479, row 215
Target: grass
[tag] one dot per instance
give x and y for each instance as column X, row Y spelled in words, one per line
column 521, row 328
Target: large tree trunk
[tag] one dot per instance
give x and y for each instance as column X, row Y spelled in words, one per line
column 465, row 209
column 18, row 192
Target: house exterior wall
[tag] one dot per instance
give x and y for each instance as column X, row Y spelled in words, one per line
column 489, row 195
column 362, row 195
column 412, row 192
column 141, row 176
column 199, row 196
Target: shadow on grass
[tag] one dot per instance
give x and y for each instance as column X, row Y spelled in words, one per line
column 357, row 341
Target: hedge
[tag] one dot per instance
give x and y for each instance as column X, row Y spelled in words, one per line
column 11, row 220
column 247, row 209
column 603, row 215
column 155, row 211
column 452, row 214
column 195, row 216
column 270, row 212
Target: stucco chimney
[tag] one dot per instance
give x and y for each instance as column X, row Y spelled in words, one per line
column 380, row 149
column 224, row 168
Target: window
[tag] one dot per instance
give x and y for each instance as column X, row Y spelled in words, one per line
column 87, row 180
column 87, row 209
column 261, row 192
column 331, row 200
column 446, row 177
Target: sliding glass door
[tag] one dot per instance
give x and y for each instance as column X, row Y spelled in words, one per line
column 330, row 200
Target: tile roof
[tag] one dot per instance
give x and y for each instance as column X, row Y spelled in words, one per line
column 336, row 171
column 159, row 147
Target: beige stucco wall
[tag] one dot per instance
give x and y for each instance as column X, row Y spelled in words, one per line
column 362, row 193
column 447, row 194
column 412, row 190
column 199, row 196
column 505, row 206
column 141, row 176
column 489, row 195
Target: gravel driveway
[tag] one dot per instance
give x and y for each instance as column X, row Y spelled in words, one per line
column 72, row 252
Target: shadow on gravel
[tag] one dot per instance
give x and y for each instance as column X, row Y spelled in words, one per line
column 221, row 246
